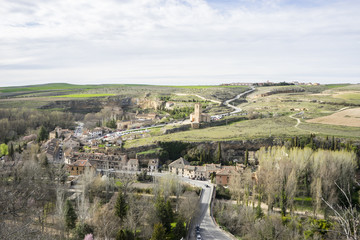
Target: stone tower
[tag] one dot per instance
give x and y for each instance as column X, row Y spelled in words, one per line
column 197, row 112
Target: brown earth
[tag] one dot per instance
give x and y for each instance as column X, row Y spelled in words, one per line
column 350, row 117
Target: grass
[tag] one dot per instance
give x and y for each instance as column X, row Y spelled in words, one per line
column 282, row 127
column 151, row 151
column 349, row 96
column 206, row 86
column 331, row 130
column 330, row 86
column 85, row 95
column 249, row 129
column 58, row 86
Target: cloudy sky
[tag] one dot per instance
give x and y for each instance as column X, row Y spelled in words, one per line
column 179, row 42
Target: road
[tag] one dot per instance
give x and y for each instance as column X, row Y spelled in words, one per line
column 237, row 109
column 208, row 228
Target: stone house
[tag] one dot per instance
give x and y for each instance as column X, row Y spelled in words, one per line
column 61, row 133
column 178, row 166
column 153, row 165
column 71, row 142
column 223, row 176
column 132, row 165
column 52, row 149
column 79, row 167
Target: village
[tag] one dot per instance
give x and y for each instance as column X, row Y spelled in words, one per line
column 100, row 150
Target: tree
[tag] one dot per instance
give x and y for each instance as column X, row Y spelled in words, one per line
column 111, row 124
column 70, row 216
column 179, row 230
column 159, row 232
column 246, row 158
column 82, row 229
column 19, row 149
column 121, row 207
column 3, row 149
column 218, row 156
column 164, row 213
column 346, row 215
column 125, row 235
column 42, row 135
column 11, row 151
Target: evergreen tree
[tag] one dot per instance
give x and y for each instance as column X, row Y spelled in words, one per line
column 218, row 157
column 125, row 235
column 81, row 230
column 45, row 162
column 111, row 124
column 43, row 135
column 259, row 213
column 246, row 157
column 159, row 232
column 70, row 216
column 121, row 207
column 283, row 198
column 11, row 151
column 179, row 231
column 19, row 149
column 164, row 213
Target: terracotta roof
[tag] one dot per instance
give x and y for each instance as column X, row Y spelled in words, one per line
column 212, row 167
column 225, row 172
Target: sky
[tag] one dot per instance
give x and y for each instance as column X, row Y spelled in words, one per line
column 179, row 42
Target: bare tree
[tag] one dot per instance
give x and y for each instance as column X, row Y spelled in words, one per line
column 346, row 215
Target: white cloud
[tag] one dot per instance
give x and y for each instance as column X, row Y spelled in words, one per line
column 166, row 41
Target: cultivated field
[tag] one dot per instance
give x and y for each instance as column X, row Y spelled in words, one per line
column 349, row 117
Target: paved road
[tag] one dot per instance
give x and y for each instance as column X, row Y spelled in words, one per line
column 237, row 109
column 208, row 228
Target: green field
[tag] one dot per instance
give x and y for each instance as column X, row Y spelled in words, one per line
column 51, row 86
column 349, row 96
column 85, row 95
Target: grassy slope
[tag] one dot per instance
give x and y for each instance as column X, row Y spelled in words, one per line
column 86, row 95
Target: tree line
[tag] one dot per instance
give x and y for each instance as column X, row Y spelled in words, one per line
column 15, row 122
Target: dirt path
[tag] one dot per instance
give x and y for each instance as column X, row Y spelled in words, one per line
column 299, row 122
column 265, row 208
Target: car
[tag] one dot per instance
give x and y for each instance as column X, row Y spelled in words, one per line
column 198, row 237
column 207, row 186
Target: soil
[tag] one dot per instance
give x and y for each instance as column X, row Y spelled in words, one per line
column 350, row 117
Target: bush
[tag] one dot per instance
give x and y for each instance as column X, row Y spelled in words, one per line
column 81, row 230
column 222, row 193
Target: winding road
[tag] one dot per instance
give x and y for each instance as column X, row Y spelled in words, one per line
column 237, row 109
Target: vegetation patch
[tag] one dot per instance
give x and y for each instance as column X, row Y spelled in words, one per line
column 85, row 95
